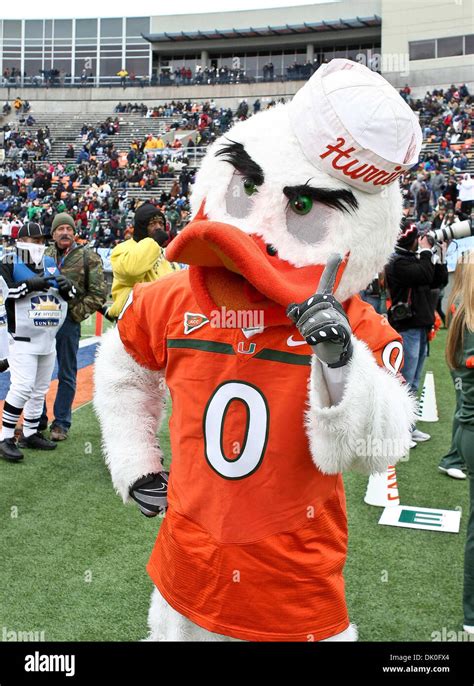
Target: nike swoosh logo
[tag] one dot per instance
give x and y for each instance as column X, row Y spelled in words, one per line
column 293, row 344
column 162, row 487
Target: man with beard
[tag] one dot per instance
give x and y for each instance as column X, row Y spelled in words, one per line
column 142, row 259
column 84, row 268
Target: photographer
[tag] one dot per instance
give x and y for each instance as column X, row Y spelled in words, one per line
column 412, row 273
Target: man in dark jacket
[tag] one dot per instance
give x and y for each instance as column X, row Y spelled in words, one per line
column 412, row 274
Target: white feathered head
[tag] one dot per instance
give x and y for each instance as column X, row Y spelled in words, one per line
column 281, row 191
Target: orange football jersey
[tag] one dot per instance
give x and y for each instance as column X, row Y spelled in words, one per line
column 254, row 541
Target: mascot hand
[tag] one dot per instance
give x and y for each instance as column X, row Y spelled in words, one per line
column 104, row 310
column 151, row 493
column 322, row 321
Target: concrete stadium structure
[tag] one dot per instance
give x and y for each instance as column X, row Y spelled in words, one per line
column 425, row 44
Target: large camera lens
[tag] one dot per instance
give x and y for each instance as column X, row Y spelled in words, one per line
column 456, row 230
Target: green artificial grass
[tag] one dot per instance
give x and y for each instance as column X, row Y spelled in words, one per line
column 88, row 326
column 405, row 584
column 73, row 556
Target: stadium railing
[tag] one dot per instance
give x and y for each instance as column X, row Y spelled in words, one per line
column 163, row 79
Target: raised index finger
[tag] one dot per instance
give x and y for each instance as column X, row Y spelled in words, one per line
column 328, row 278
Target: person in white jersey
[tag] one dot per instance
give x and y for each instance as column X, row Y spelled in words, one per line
column 36, row 307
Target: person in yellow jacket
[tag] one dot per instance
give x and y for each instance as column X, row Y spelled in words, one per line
column 151, row 143
column 139, row 260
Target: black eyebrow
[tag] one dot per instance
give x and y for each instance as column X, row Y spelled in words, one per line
column 340, row 199
column 238, row 157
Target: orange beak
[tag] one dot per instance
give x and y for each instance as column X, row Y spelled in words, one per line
column 234, row 269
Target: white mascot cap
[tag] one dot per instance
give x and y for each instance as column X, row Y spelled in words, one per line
column 351, row 123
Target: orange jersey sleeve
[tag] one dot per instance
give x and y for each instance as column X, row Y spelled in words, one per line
column 374, row 330
column 144, row 320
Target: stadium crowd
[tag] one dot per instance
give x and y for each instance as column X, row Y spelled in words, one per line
column 94, row 180
column 446, row 166
column 86, row 200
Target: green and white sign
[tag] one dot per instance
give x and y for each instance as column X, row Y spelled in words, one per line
column 422, row 518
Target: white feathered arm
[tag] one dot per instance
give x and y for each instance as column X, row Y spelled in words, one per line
column 369, row 427
column 129, row 401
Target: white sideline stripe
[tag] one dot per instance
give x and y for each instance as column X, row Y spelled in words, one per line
column 84, row 342
column 81, row 406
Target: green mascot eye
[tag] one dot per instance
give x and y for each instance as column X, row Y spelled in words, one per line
column 302, row 204
column 250, row 187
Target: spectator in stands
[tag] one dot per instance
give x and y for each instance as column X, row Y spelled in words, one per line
column 6, row 230
column 415, row 187
column 141, row 260
column 151, row 143
column 451, row 191
column 466, row 193
column 422, row 200
column 410, row 279
column 122, row 74
column 424, row 224
column 437, row 185
column 17, row 105
column 83, row 267
column 83, row 156
column 185, row 179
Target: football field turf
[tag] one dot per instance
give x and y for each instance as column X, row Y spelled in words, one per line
column 73, row 556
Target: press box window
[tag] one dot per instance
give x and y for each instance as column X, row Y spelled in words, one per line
column 450, row 47
column 422, row 50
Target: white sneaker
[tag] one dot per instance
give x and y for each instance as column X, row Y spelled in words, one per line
column 419, row 436
column 413, row 444
column 468, row 629
column 453, row 472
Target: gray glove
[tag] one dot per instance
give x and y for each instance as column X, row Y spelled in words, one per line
column 322, row 321
column 151, row 493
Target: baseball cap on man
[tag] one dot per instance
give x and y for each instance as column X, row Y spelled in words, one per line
column 60, row 219
column 351, row 123
column 31, row 230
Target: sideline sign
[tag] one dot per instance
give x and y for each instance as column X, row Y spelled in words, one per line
column 422, row 518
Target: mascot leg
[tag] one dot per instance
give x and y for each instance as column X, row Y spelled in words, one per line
column 349, row 634
column 168, row 625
